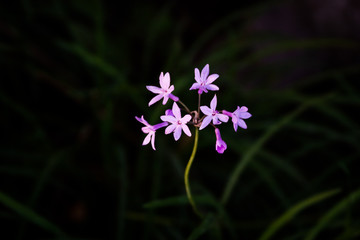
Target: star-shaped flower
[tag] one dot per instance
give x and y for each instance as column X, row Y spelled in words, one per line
column 238, row 117
column 178, row 123
column 150, row 130
column 212, row 114
column 164, row 91
column 204, row 81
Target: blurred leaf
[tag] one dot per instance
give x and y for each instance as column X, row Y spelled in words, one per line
column 291, row 213
column 256, row 147
column 203, row 227
column 179, row 200
column 343, row 205
column 29, row 214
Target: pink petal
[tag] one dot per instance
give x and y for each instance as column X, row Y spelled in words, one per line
column 147, row 139
column 170, row 89
column 244, row 115
column 186, row 130
column 170, row 129
column 205, row 122
column 205, row 73
column 213, row 103
column 165, row 81
column 206, row 110
column 153, row 141
column 243, row 109
column 235, row 123
column 242, row 124
column 154, row 89
column 223, row 117
column 186, row 118
column 155, row 99
column 177, row 132
column 195, row 86
column 168, row 118
column 197, row 75
column 212, row 78
column 166, row 98
column 212, row 87
column 176, row 111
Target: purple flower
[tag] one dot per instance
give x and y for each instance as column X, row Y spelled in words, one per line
column 164, row 91
column 220, row 145
column 204, row 81
column 212, row 114
column 237, row 117
column 150, row 130
column 178, row 123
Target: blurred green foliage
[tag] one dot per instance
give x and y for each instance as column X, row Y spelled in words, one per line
column 73, row 76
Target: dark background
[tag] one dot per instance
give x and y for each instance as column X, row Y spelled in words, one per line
column 73, row 77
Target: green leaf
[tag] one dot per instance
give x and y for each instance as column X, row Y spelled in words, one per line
column 203, row 227
column 293, row 211
column 29, row 214
column 332, row 213
column 179, row 200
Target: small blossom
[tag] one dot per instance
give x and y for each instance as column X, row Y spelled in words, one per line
column 220, row 145
column 238, row 117
column 164, row 91
column 150, row 130
column 178, row 123
column 212, row 114
column 204, row 81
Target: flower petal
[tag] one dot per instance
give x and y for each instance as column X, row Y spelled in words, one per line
column 212, row 78
column 177, row 132
column 153, row 141
column 165, row 81
column 186, row 130
column 170, row 129
column 212, row 87
column 205, row 73
column 195, row 86
column 197, row 75
column 243, row 109
column 213, row 103
column 242, row 123
column 176, row 111
column 147, row 139
column 206, row 110
column 223, row 117
column 168, row 118
column 155, row 99
column 205, row 122
column 166, row 98
column 154, row 89
column 185, row 119
column 235, row 123
column 244, row 115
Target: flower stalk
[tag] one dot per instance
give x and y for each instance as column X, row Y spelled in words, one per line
column 186, row 176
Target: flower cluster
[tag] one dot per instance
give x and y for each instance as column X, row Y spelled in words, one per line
column 176, row 123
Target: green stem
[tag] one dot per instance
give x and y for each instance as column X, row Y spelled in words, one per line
column 186, row 176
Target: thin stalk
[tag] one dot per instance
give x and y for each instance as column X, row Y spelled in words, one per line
column 186, row 108
column 199, row 103
column 186, row 176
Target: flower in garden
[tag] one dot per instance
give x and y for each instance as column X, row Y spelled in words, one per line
column 164, row 91
column 212, row 114
column 150, row 130
column 238, row 117
column 204, row 81
column 178, row 123
column 220, row 145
